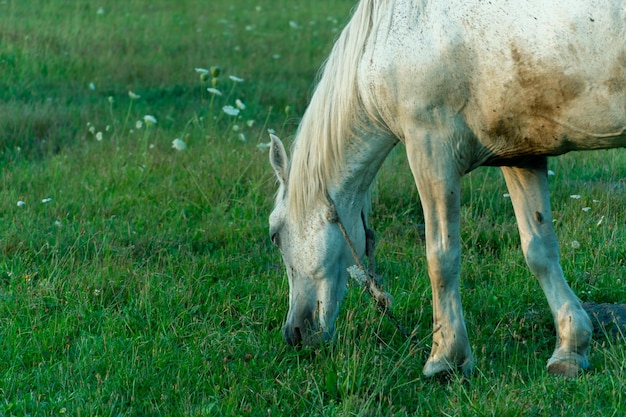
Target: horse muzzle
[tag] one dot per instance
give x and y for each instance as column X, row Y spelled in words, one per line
column 306, row 334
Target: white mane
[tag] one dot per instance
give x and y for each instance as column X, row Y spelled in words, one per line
column 329, row 122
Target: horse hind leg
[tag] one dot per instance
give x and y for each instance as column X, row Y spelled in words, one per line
column 528, row 187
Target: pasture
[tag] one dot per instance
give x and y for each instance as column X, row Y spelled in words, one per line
column 137, row 278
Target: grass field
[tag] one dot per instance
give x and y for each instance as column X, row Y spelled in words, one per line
column 137, row 279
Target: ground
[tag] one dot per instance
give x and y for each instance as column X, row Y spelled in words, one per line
column 608, row 319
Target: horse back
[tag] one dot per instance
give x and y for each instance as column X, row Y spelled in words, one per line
column 512, row 78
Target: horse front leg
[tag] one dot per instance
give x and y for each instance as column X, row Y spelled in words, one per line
column 438, row 183
column 528, row 187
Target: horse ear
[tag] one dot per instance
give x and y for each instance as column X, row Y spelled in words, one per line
column 279, row 160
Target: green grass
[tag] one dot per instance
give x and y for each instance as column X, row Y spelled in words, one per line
column 147, row 284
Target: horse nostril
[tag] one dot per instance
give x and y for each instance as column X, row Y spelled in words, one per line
column 293, row 336
column 297, row 336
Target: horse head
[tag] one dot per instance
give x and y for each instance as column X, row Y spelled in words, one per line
column 316, row 257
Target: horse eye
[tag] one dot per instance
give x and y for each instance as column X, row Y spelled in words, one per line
column 275, row 239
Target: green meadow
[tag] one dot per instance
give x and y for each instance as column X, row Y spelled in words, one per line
column 137, row 277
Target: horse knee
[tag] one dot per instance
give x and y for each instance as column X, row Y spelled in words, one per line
column 444, row 266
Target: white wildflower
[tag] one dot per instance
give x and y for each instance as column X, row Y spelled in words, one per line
column 92, row 86
column 551, row 173
column 240, row 105
column 133, row 96
column 600, row 221
column 231, row 111
column 276, row 56
column 236, row 79
column 293, row 24
column 179, row 144
column 575, row 244
column 99, row 136
column 506, row 195
column 236, row 128
column 21, row 203
column 100, row 11
column 596, row 201
column 586, row 209
column 250, row 123
column 204, row 73
column 138, row 124
column 214, row 91
column 46, row 200
column 92, row 130
column 149, row 120
column 264, row 145
column 243, row 137
column 575, row 196
column 58, row 223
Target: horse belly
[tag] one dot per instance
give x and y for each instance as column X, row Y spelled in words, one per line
column 552, row 116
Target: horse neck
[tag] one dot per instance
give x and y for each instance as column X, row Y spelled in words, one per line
column 363, row 158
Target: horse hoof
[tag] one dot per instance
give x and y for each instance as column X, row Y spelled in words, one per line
column 569, row 367
column 436, row 367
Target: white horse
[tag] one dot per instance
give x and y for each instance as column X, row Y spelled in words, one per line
column 461, row 83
